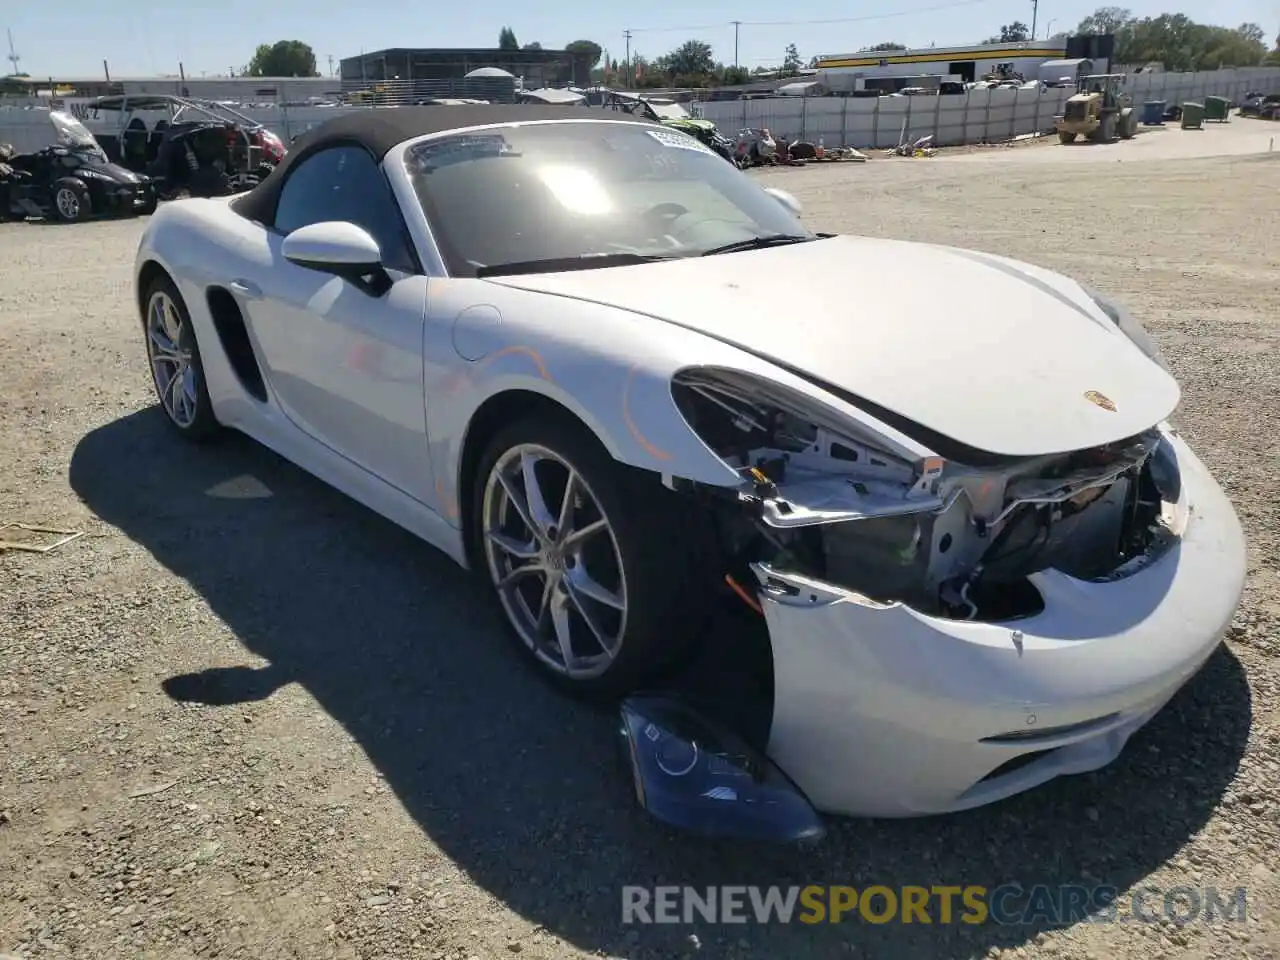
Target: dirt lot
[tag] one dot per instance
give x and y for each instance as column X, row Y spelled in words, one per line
column 377, row 777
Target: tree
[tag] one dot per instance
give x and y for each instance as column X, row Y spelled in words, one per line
column 791, row 61
column 1106, row 20
column 15, row 84
column 532, row 46
column 507, row 39
column 735, row 76
column 691, row 59
column 1251, row 32
column 877, row 47
column 583, row 55
column 1016, row 32
column 1177, row 42
column 588, row 51
column 284, row 58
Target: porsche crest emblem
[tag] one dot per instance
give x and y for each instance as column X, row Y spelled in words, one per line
column 1099, row 400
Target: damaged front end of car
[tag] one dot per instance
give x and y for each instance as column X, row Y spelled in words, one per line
column 945, row 536
column 830, row 510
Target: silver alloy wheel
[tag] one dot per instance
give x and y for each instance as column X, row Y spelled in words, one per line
column 559, row 574
column 171, row 367
column 68, row 202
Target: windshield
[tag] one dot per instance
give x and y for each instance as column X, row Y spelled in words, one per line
column 72, row 133
column 571, row 190
column 668, row 110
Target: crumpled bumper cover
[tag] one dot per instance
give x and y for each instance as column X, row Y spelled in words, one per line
column 883, row 711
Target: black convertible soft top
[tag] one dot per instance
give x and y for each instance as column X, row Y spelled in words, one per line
column 380, row 129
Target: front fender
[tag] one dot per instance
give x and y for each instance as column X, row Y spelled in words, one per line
column 609, row 368
column 76, row 182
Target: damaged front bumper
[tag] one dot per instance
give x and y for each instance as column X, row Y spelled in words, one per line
column 880, row 710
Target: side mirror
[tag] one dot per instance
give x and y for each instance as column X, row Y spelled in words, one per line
column 696, row 775
column 336, row 247
column 786, row 199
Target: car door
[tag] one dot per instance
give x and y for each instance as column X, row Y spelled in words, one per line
column 345, row 365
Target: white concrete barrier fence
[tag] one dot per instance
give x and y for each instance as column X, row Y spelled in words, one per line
column 976, row 117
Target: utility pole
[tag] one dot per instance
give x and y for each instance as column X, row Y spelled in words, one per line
column 13, row 55
column 631, row 77
column 736, row 25
column 330, row 56
column 1035, row 10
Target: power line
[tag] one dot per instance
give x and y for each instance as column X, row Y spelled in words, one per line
column 810, row 23
column 877, row 16
column 704, row 26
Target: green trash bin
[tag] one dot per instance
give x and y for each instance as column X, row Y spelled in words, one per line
column 1217, row 108
column 1192, row 116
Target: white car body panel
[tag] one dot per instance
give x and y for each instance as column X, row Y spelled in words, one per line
column 200, row 243
column 992, row 353
column 345, row 368
column 860, row 686
column 606, row 366
column 879, row 709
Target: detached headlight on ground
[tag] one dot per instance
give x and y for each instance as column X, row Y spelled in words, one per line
column 695, row 775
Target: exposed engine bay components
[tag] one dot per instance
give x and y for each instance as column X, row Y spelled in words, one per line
column 941, row 536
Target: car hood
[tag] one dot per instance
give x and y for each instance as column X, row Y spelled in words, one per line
column 994, row 354
column 113, row 171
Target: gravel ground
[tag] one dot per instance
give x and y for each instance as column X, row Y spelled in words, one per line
column 375, row 776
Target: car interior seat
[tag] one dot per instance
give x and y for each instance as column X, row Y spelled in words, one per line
column 135, row 144
column 156, row 138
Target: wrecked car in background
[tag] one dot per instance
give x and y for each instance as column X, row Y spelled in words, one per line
column 71, row 180
column 963, row 550
column 187, row 146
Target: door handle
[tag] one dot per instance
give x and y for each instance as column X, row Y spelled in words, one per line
column 245, row 288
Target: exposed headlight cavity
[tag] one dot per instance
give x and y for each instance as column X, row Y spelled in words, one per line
column 1130, row 327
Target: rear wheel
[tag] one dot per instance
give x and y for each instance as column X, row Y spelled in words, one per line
column 572, row 542
column 1066, row 136
column 176, row 368
column 1128, row 126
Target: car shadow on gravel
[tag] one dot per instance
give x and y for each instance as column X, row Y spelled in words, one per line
column 520, row 786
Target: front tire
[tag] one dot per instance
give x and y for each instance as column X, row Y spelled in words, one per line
column 71, row 203
column 595, row 586
column 176, row 369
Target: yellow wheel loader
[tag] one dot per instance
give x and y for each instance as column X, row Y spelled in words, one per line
column 1098, row 111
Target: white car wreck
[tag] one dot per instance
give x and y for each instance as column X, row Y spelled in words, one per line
column 975, row 554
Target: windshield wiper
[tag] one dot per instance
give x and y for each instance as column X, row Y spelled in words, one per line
column 588, row 261
column 759, row 243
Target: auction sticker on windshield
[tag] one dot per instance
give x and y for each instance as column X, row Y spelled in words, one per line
column 678, row 141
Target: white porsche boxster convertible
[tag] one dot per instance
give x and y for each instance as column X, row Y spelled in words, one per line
column 538, row 338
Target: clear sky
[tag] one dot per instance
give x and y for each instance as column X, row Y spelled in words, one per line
column 148, row 37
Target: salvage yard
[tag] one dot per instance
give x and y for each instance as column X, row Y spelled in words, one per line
column 373, row 775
